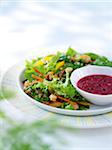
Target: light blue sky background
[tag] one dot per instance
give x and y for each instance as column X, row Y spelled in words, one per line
column 30, row 26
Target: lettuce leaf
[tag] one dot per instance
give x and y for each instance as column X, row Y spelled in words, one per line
column 71, row 52
column 53, row 62
column 28, row 73
column 29, row 64
column 102, row 61
column 93, row 56
column 59, row 88
column 99, row 60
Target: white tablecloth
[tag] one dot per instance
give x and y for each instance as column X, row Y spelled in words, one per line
column 30, row 27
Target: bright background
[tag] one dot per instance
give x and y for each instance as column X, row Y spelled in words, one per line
column 32, row 27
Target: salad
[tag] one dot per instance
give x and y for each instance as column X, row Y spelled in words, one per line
column 47, row 79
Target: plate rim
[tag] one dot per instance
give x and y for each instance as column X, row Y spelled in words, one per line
column 75, row 126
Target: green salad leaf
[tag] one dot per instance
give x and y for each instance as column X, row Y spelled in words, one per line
column 70, row 107
column 71, row 52
column 102, row 61
column 60, row 89
column 29, row 64
column 65, row 89
column 28, row 73
column 99, row 60
column 52, row 63
column 93, row 56
column 53, row 77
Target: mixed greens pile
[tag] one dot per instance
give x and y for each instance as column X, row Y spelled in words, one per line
column 47, row 79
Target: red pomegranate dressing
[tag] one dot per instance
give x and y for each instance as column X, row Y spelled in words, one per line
column 96, row 84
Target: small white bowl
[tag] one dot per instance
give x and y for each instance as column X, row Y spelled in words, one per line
column 90, row 70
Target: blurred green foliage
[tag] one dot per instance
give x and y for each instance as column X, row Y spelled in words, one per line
column 6, row 94
column 27, row 136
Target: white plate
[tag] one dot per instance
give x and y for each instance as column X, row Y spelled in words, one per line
column 94, row 110
column 23, row 103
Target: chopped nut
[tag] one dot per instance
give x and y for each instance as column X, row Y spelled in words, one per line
column 69, row 69
column 28, row 91
column 61, row 73
column 85, row 58
column 28, row 83
column 53, row 97
column 49, row 76
column 73, row 58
